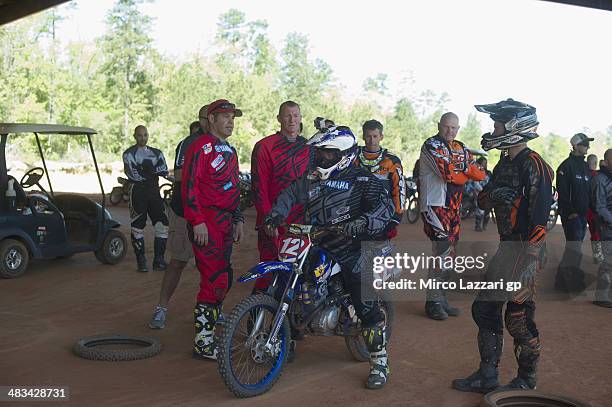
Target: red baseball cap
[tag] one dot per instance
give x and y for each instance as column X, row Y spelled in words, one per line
column 223, row 106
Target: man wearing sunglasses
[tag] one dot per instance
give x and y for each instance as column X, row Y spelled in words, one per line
column 574, row 188
column 211, row 198
column 178, row 239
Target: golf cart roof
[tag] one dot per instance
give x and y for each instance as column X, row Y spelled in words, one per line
column 6, row 128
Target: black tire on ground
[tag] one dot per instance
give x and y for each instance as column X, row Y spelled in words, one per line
column 224, row 341
column 92, row 348
column 116, row 196
column 413, row 210
column 14, row 258
column 519, row 398
column 113, row 248
column 356, row 345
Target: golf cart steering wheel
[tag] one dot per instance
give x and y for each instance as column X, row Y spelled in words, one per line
column 32, row 177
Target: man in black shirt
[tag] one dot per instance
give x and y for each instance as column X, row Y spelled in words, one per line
column 143, row 165
column 179, row 244
column 574, row 189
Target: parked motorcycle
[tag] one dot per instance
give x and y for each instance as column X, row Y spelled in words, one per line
column 412, row 201
column 307, row 296
column 121, row 193
column 554, row 211
column 246, row 200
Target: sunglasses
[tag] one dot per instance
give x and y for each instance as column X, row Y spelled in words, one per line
column 225, row 106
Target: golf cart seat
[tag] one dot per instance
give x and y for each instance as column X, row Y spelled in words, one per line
column 80, row 217
column 21, row 197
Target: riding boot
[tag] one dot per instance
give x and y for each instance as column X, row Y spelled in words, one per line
column 450, row 310
column 527, row 355
column 597, row 248
column 434, row 304
column 139, row 250
column 159, row 249
column 206, row 316
column 376, row 341
column 485, row 379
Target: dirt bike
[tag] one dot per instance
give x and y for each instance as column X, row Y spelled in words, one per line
column 307, row 296
column 246, row 200
column 554, row 211
column 121, row 193
column 412, row 201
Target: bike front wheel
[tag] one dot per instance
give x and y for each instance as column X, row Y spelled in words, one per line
column 247, row 367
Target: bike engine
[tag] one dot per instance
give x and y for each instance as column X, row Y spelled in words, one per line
column 325, row 322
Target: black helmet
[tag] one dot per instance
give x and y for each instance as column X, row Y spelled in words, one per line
column 519, row 119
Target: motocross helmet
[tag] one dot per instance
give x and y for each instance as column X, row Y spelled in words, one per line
column 335, row 150
column 519, row 119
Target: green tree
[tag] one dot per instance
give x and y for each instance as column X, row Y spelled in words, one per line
column 471, row 133
column 126, row 48
column 377, row 84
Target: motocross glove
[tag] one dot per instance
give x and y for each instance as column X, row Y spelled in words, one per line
column 273, row 220
column 502, row 196
column 355, row 227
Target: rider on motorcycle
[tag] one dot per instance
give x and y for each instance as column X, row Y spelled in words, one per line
column 337, row 192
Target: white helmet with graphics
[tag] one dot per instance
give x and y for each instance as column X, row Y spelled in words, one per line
column 335, row 150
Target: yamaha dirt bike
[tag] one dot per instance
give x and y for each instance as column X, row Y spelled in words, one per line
column 307, row 296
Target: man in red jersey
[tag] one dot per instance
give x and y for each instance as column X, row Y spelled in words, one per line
column 277, row 160
column 211, row 198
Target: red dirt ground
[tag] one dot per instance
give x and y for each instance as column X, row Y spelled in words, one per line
column 43, row 314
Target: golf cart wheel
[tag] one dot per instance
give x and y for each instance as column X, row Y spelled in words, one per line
column 113, row 248
column 520, row 398
column 117, row 348
column 15, row 258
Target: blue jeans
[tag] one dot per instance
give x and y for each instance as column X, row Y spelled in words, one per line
column 569, row 274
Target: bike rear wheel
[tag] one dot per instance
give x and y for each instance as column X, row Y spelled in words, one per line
column 412, row 213
column 247, row 368
column 356, row 345
column 552, row 219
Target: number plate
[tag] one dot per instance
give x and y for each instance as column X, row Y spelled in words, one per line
column 293, row 247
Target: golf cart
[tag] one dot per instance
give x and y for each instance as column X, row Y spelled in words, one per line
column 45, row 225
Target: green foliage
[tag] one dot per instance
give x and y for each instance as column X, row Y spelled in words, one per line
column 120, row 81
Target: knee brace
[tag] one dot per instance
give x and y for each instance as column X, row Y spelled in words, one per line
column 516, row 323
column 137, row 233
column 375, row 338
column 442, row 248
column 161, row 230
